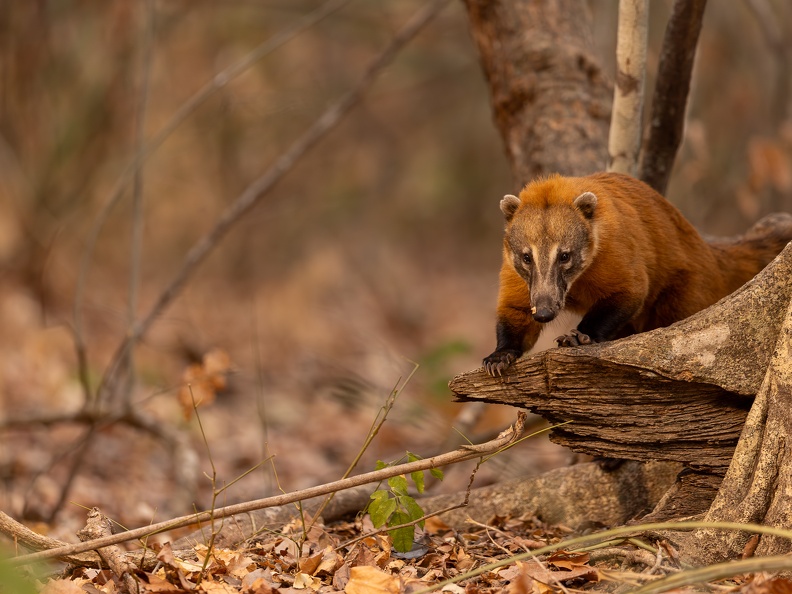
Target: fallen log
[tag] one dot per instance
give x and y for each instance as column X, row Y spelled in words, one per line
column 679, row 394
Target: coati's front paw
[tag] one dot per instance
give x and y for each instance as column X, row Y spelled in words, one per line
column 574, row 338
column 498, row 361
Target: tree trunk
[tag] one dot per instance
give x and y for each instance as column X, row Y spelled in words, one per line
column 758, row 484
column 667, row 120
column 550, row 99
column 624, row 140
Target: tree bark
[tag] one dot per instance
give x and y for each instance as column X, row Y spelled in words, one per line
column 624, row 139
column 550, row 99
column 667, row 120
column 758, row 484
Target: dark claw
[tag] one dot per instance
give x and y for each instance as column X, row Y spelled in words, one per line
column 574, row 338
column 499, row 361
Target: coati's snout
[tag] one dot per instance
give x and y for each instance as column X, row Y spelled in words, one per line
column 545, row 308
column 543, row 315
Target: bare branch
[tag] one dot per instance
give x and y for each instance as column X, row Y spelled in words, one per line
column 24, row 536
column 667, row 119
column 220, row 80
column 465, row 453
column 98, row 526
column 261, row 186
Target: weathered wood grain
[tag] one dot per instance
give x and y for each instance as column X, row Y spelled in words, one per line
column 680, row 393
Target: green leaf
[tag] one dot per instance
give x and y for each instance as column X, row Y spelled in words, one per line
column 381, row 511
column 418, row 479
column 437, row 473
column 412, row 457
column 380, row 494
column 12, row 581
column 414, row 510
column 380, row 465
column 402, row 537
column 398, row 484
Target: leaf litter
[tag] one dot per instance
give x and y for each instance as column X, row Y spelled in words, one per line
column 286, row 562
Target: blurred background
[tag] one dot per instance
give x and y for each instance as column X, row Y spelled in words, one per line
column 378, row 251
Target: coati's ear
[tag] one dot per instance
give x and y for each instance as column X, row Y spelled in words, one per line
column 509, row 206
column 586, row 203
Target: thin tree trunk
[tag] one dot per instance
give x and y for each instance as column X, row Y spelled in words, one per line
column 624, row 140
column 667, row 119
column 550, row 99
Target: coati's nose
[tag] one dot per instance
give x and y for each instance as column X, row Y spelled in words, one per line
column 544, row 315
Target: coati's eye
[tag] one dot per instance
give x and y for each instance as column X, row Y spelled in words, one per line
column 563, row 257
column 527, row 258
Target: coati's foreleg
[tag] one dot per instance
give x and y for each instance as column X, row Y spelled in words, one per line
column 603, row 321
column 516, row 331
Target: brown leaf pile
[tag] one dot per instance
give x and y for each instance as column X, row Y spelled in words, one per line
column 285, row 562
column 333, row 559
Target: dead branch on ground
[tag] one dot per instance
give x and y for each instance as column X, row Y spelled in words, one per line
column 506, row 439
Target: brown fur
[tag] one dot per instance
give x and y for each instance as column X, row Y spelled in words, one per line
column 643, row 265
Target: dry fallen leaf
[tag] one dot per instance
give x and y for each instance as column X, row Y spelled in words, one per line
column 202, row 382
column 156, row 584
column 538, row 572
column 64, row 587
column 522, row 582
column 235, row 562
column 303, row 581
column 763, row 585
column 568, row 561
column 211, row 587
column 370, row 580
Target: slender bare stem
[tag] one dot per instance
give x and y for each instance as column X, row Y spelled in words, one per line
column 253, row 194
column 136, row 243
column 218, row 82
column 460, row 455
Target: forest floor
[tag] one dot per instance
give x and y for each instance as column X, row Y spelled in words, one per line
column 49, row 482
column 485, row 558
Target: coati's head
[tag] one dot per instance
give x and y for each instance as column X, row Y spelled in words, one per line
column 551, row 240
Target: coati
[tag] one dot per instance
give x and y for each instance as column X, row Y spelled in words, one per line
column 617, row 256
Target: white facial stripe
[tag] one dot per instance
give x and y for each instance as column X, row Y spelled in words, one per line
column 544, row 261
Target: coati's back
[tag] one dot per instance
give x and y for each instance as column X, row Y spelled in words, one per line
column 742, row 257
column 614, row 252
column 647, row 251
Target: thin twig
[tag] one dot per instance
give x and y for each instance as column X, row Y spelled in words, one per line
column 137, row 194
column 218, row 82
column 80, row 451
column 376, row 425
column 261, row 186
column 460, row 455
